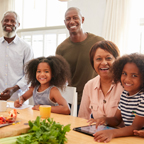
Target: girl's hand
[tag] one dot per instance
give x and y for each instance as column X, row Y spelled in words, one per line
column 98, row 121
column 139, row 133
column 103, row 136
column 19, row 102
column 36, row 107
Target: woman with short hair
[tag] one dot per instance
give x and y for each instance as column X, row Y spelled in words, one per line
column 101, row 95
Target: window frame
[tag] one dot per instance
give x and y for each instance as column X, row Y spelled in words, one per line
column 43, row 31
column 60, row 29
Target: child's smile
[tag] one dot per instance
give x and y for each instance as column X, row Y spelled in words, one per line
column 128, row 84
column 42, row 79
column 131, row 78
column 43, row 74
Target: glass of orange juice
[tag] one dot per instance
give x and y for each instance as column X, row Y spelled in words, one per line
column 45, row 111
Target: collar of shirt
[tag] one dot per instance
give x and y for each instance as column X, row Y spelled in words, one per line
column 14, row 41
column 97, row 84
column 136, row 94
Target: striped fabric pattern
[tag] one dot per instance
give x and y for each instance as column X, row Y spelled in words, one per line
column 130, row 106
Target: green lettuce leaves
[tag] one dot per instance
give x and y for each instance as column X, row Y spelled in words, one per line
column 45, row 131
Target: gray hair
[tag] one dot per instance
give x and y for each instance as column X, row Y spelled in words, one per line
column 74, row 8
column 17, row 16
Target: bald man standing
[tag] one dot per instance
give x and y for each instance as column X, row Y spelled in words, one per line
column 75, row 49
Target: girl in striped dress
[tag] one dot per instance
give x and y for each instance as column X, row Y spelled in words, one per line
column 129, row 70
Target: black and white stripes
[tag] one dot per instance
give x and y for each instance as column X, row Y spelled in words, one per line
column 131, row 106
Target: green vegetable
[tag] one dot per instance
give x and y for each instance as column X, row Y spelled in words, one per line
column 45, row 132
column 10, row 140
column 41, row 132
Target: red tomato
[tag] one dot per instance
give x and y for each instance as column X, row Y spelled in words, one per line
column 2, row 120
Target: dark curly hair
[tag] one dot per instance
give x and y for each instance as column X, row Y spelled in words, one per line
column 118, row 65
column 105, row 45
column 59, row 67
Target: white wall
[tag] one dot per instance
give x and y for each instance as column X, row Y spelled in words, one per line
column 93, row 11
column 4, row 6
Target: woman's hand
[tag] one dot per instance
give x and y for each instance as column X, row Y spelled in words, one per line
column 103, row 136
column 139, row 133
column 98, row 121
column 36, row 107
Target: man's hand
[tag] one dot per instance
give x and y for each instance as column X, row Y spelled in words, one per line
column 7, row 93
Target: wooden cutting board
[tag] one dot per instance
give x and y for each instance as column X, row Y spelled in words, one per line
column 14, row 130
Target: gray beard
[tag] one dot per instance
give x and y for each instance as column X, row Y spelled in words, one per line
column 9, row 34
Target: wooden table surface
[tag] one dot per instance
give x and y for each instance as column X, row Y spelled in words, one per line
column 73, row 136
